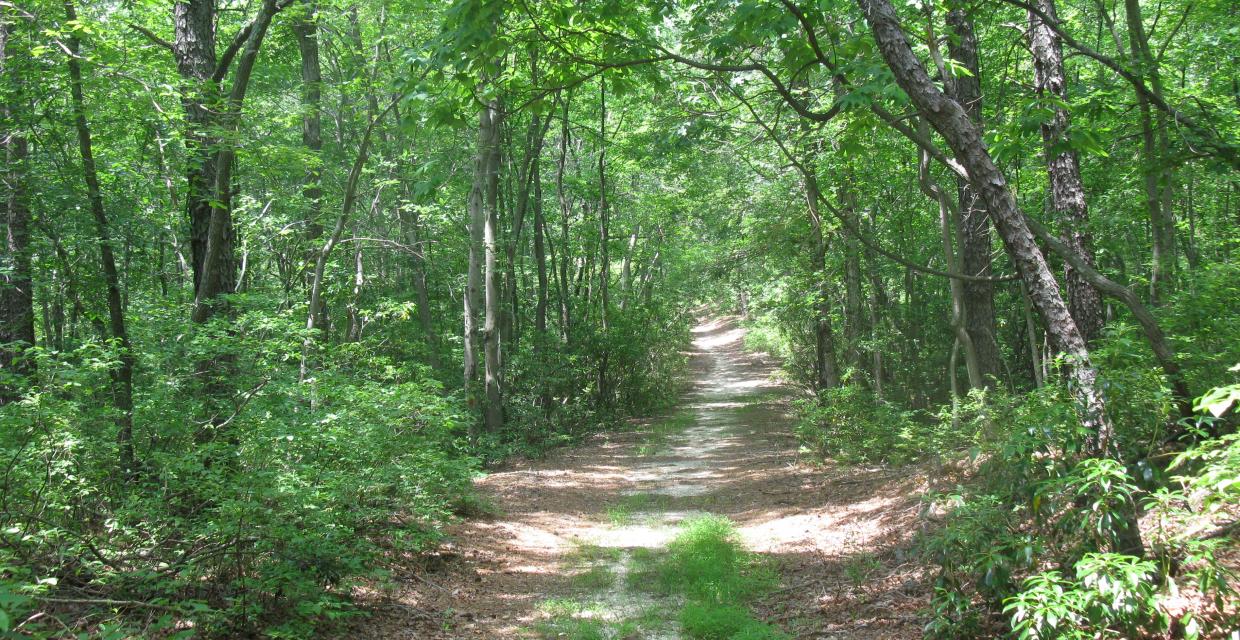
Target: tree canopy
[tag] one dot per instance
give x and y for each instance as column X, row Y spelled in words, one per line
column 281, row 276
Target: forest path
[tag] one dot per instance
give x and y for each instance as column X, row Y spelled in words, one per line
column 553, row 563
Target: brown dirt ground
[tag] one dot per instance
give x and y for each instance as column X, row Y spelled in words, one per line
column 841, row 535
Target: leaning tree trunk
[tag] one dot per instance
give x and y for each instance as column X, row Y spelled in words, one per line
column 974, row 225
column 1064, row 169
column 965, row 138
column 16, row 284
column 122, row 375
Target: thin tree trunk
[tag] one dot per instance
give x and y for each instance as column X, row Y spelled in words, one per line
column 194, row 50
column 826, row 369
column 1063, row 168
column 540, row 257
column 217, row 274
column 472, row 297
column 979, row 296
column 949, row 230
column 320, row 264
column 305, row 28
column 626, row 271
column 1031, row 329
column 565, row 211
column 122, row 375
column 16, row 282
column 421, row 290
column 604, row 383
column 1155, row 168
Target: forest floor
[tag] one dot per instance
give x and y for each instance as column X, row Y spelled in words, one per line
column 567, row 527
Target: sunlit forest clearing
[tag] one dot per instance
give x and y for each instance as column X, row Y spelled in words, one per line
column 714, row 320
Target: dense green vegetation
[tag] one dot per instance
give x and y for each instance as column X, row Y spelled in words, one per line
column 280, row 276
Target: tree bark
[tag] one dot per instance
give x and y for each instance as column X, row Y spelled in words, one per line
column 122, row 375
column 965, row 139
column 217, row 270
column 473, row 283
column 565, row 211
column 306, row 28
column 604, row 280
column 540, row 258
column 826, row 369
column 979, row 296
column 493, row 411
column 1064, row 170
column 194, row 50
column 1155, row 168
column 16, row 282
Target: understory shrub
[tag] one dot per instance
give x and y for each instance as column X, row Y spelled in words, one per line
column 851, row 424
column 1051, row 540
column 254, row 511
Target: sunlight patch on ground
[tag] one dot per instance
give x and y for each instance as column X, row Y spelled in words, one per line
column 842, row 527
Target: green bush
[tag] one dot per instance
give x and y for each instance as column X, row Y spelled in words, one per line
column 850, row 424
column 251, row 512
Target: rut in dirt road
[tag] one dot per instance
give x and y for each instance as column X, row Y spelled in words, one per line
column 559, row 560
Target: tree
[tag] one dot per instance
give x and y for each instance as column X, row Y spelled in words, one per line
column 16, row 281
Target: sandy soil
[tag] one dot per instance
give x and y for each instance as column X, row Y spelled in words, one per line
column 840, row 536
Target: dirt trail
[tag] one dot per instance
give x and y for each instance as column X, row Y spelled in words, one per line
column 568, row 525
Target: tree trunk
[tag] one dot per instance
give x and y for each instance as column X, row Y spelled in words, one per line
column 472, row 297
column 565, row 210
column 826, row 370
column 540, row 257
column 16, row 283
column 852, row 291
column 122, row 375
column 218, row 271
column 604, row 391
column 320, row 264
column 493, row 412
column 1063, row 168
column 979, row 296
column 626, row 271
column 410, row 220
column 965, row 139
column 1155, row 168
column 194, row 49
column 952, row 236
column 305, row 28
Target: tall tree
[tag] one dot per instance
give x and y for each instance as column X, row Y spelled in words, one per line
column 493, row 408
column 122, row 374
column 964, row 137
column 16, row 281
column 1064, row 170
column 965, row 87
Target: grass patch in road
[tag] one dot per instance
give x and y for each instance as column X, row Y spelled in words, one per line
column 586, row 552
column 656, row 440
column 575, row 628
column 575, row 620
column 595, row 578
column 707, row 565
column 622, row 513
